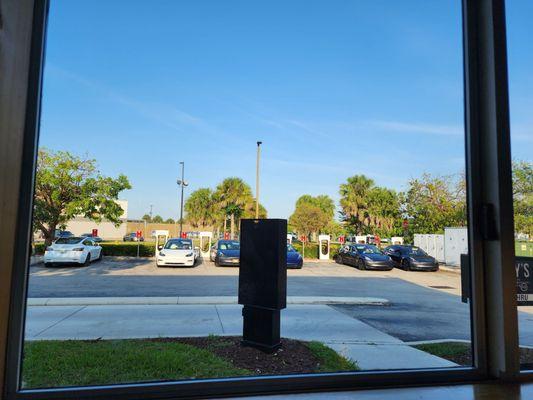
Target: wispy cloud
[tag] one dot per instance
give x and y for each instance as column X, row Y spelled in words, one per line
column 163, row 114
column 417, row 128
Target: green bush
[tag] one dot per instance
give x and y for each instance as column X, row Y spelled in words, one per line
column 128, row 249
column 311, row 249
column 38, row 248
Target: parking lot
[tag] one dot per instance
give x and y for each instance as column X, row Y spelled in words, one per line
column 422, row 305
column 81, row 278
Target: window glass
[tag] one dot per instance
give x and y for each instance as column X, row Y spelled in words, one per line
column 520, row 60
column 182, row 100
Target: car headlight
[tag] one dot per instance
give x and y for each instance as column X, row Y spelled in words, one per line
column 162, row 254
column 412, row 258
column 220, row 254
column 189, row 255
column 368, row 258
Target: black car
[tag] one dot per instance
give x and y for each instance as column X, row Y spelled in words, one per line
column 96, row 239
column 364, row 256
column 63, row 234
column 132, row 237
column 412, row 258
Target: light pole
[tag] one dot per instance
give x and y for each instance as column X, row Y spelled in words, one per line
column 181, row 182
column 257, row 180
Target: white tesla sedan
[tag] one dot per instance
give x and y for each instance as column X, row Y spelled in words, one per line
column 176, row 253
column 79, row 250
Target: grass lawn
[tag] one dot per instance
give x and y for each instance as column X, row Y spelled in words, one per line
column 457, row 352
column 82, row 363
column 461, row 353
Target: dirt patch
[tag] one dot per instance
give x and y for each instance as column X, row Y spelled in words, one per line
column 293, row 356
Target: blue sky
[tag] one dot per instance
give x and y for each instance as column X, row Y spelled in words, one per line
column 332, row 88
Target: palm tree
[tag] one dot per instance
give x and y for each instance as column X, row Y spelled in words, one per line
column 200, row 208
column 354, row 201
column 233, row 195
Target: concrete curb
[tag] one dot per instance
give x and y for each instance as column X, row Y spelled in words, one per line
column 457, row 270
column 193, row 300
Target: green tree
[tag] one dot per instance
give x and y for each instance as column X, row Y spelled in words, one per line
column 200, row 208
column 158, row 219
column 249, row 211
column 170, row 221
column 354, row 203
column 324, row 202
column 523, row 197
column 233, row 195
column 326, row 206
column 67, row 186
column 433, row 203
column 147, row 218
column 383, row 214
column 308, row 218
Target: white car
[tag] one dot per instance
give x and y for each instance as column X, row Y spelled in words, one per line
column 79, row 250
column 177, row 253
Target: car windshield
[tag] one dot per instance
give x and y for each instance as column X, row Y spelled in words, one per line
column 368, row 250
column 229, row 246
column 70, row 240
column 178, row 245
column 414, row 251
column 290, row 249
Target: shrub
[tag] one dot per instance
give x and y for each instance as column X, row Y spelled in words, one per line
column 311, row 249
column 38, row 248
column 128, row 249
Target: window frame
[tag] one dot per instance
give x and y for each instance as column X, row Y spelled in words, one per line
column 484, row 51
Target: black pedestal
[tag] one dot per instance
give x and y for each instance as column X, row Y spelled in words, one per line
column 261, row 328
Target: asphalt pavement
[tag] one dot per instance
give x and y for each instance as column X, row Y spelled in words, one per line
column 422, row 305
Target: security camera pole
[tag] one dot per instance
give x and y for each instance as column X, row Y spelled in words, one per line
column 257, row 180
column 181, row 182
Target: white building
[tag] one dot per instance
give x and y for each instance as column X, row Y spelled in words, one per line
column 106, row 229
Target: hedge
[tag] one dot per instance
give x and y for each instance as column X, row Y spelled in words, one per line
column 311, row 249
column 128, row 249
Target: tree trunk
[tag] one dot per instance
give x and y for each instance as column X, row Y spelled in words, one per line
column 232, row 226
column 48, row 237
column 225, row 223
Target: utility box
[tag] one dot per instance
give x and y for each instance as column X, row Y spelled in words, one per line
column 263, row 280
column 455, row 244
column 433, row 244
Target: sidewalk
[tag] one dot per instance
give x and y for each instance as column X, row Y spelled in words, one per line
column 369, row 347
column 195, row 300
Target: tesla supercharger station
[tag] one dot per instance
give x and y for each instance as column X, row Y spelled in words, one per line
column 323, row 246
column 205, row 243
column 161, row 237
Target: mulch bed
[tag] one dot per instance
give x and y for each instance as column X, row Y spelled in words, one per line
column 293, row 356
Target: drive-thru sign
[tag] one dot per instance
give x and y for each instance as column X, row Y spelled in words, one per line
column 524, row 281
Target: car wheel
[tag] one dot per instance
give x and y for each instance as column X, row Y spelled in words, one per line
column 405, row 265
column 361, row 265
column 48, row 265
column 338, row 259
column 87, row 261
column 216, row 262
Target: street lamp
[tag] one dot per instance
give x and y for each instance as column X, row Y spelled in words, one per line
column 257, row 180
column 182, row 182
